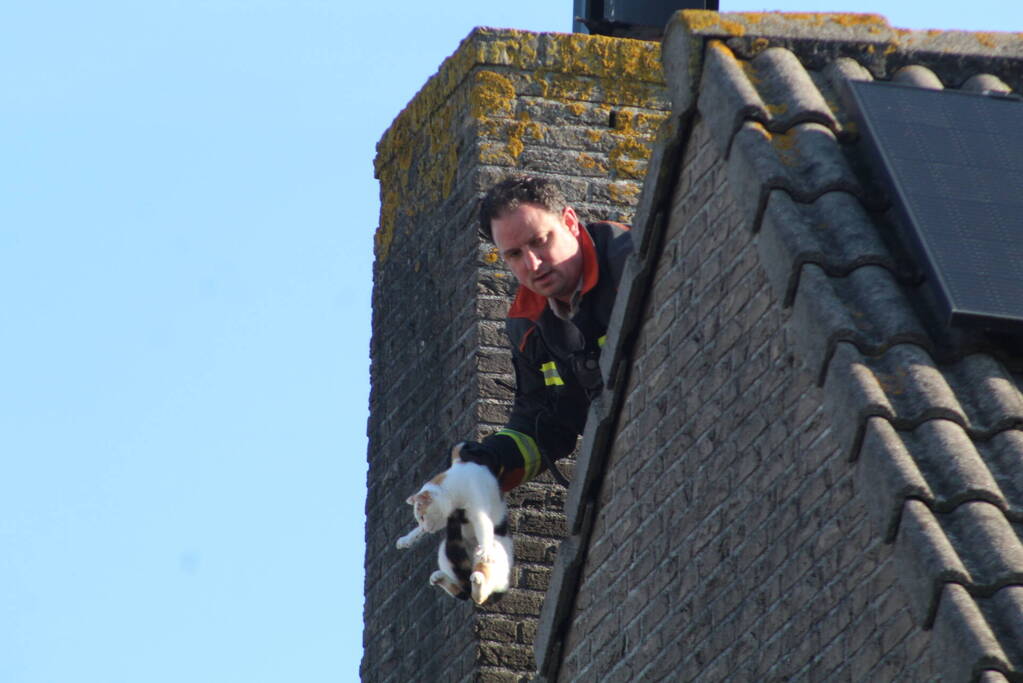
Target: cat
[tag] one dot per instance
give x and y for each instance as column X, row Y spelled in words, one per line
column 476, row 557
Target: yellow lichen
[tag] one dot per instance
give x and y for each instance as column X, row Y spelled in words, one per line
column 986, row 39
column 750, row 71
column 874, row 22
column 814, row 18
column 705, row 20
column 604, row 57
column 522, row 126
column 623, row 193
column 784, row 141
column 491, row 256
column 496, row 153
column 590, row 163
column 518, row 50
column 613, row 70
column 492, row 95
column 722, row 49
column 628, row 159
column 785, row 145
column 419, row 157
column 759, row 127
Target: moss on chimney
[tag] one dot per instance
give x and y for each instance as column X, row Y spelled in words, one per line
column 474, row 110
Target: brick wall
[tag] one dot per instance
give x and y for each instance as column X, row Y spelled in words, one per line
column 578, row 108
column 729, row 543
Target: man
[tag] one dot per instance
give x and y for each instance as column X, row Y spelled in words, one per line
column 568, row 276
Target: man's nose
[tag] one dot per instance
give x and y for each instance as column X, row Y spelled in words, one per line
column 532, row 261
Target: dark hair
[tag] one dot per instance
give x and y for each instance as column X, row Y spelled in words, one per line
column 510, row 193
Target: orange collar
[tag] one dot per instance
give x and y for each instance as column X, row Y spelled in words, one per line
column 529, row 304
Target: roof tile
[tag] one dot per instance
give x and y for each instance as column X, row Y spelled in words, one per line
column 940, row 465
column 729, row 94
column 1003, row 612
column 888, row 476
column 987, row 543
column 790, row 93
column 964, row 643
column 1003, row 454
column 917, row 76
column 866, row 308
column 989, row 393
column 834, row 232
column 805, row 162
column 926, row 551
column 906, row 386
column 990, row 676
column 954, row 469
column 986, row 83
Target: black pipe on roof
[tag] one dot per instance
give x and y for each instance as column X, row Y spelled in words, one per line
column 642, row 19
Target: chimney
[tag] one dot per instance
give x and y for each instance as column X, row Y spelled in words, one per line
column 639, row 19
column 581, row 109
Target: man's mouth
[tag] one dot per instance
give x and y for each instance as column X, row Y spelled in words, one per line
column 542, row 279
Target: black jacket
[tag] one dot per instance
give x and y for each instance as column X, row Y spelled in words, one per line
column 555, row 361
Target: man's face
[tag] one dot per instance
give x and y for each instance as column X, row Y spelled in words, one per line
column 541, row 248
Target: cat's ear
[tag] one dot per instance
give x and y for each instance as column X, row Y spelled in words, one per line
column 456, row 452
column 423, row 497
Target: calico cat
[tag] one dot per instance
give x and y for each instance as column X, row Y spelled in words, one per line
column 476, row 556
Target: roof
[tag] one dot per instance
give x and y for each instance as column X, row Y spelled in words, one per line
column 932, row 422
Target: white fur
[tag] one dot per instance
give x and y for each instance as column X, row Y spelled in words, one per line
column 499, row 561
column 466, row 485
column 473, row 488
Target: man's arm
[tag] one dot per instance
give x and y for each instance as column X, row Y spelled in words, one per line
column 540, row 419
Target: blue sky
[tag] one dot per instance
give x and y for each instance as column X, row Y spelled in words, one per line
column 187, row 208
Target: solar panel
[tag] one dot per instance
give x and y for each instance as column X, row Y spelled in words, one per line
column 952, row 163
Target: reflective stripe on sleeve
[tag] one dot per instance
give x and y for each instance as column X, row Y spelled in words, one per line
column 527, row 447
column 602, row 341
column 550, row 374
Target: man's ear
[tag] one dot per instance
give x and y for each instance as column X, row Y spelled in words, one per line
column 571, row 220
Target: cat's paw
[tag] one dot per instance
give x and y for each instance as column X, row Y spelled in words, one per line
column 480, row 591
column 482, row 556
column 409, row 539
column 437, row 578
column 478, row 583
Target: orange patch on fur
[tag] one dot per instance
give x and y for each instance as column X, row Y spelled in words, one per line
column 439, row 479
column 483, row 568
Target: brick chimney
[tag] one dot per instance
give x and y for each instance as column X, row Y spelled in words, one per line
column 581, row 109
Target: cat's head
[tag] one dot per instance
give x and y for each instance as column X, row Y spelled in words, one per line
column 429, row 513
